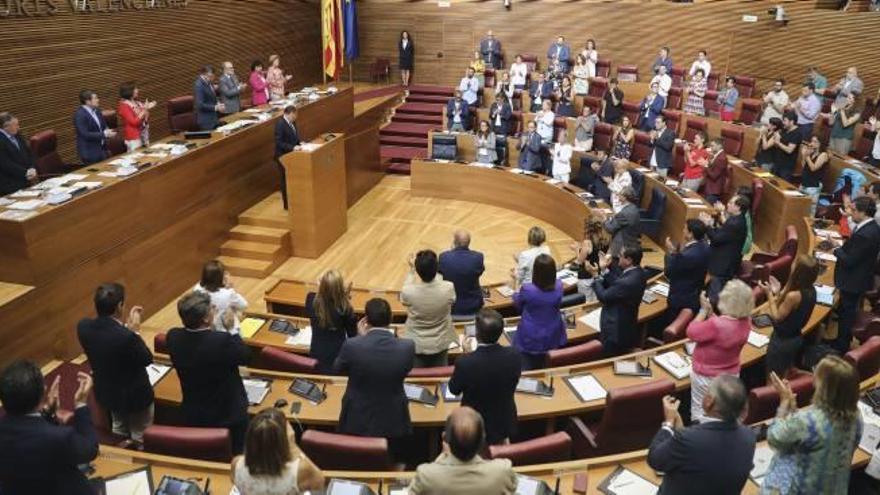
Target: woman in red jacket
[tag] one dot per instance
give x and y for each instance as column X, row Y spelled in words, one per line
column 134, row 116
column 259, row 86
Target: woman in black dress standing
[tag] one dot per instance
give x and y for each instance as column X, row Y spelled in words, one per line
column 332, row 319
column 406, row 55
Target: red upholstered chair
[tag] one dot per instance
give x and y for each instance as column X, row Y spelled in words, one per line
column 828, row 97
column 531, row 62
column 677, row 76
column 489, row 78
column 779, row 264
column 732, row 140
column 823, row 132
column 693, row 126
column 745, row 85
column 432, row 372
column 628, row 73
column 757, row 194
column 542, row 450
column 180, row 115
column 576, row 354
column 712, row 82
column 642, row 149
column 631, row 110
column 274, row 359
column 594, row 102
column 116, row 144
column 516, row 123
column 863, row 145
column 44, row 147
column 710, row 103
column 602, row 136
column 673, row 120
column 678, row 163
column 750, row 112
column 673, row 101
column 207, row 444
column 380, row 68
column 597, row 88
column 866, row 358
column 603, row 67
column 677, row 328
column 560, row 127
column 867, row 325
column 628, row 423
column 763, row 401
column 346, row 452
column 160, row 343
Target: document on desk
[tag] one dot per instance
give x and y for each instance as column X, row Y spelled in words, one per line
column 660, row 288
column 826, row 256
column 792, row 192
column 156, row 372
column 505, row 291
column 26, row 193
column 693, row 201
column 825, row 295
column 627, row 482
column 134, row 483
column 761, row 463
column 870, row 438
column 592, row 319
column 827, row 233
column 6, row 201
column 249, row 326
column 257, row 389
column 758, row 339
column 586, row 387
column 309, row 147
column 303, row 338
column 674, row 364
column 29, row 205
column 17, row 216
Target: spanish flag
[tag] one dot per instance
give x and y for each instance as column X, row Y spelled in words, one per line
column 333, row 41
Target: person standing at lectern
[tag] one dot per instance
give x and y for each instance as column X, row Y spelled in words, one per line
column 286, row 140
column 205, row 104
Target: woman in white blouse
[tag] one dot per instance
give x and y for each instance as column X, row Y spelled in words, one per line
column 518, row 73
column 228, row 304
column 702, row 62
column 526, row 259
column 616, row 184
column 591, row 55
column 545, row 119
column 504, row 86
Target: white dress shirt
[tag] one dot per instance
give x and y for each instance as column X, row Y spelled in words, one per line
column 705, row 65
column 518, row 73
column 664, row 82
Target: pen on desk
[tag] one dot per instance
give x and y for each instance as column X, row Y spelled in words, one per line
column 154, row 368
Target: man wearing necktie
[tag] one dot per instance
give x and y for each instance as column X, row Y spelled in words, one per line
column 205, row 103
column 490, row 48
column 91, row 129
column 286, row 140
column 17, row 168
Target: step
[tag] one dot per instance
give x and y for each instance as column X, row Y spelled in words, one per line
column 431, row 99
column 420, row 108
column 418, row 119
column 399, row 168
column 407, row 129
column 414, row 142
column 401, row 153
column 255, row 233
column 428, row 89
column 258, row 220
column 243, row 267
column 252, row 250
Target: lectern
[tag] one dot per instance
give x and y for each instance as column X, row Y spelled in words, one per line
column 317, row 204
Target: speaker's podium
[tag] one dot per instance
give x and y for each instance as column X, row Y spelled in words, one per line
column 317, row 205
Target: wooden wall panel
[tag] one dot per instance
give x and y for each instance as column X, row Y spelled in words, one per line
column 627, row 32
column 47, row 60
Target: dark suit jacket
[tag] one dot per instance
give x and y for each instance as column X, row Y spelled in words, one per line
column 686, row 272
column 374, row 403
column 624, row 229
column 204, row 104
column 492, row 57
column 530, row 151
column 118, row 358
column 648, row 112
column 14, row 164
column 207, row 363
column 716, row 176
column 591, row 180
column 663, row 145
column 286, row 137
column 620, row 294
column 463, row 111
column 726, row 247
column 39, row 457
column 505, row 111
column 546, row 91
column 709, row 458
column 91, row 145
column 855, row 259
column 463, row 268
column 487, row 377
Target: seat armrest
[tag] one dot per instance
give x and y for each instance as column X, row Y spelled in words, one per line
column 578, row 426
column 763, row 258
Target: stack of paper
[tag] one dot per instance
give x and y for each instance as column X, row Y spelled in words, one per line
column 586, row 387
column 303, row 338
column 826, row 256
column 156, row 372
column 88, row 185
column 592, row 319
column 674, row 364
column 693, row 201
column 761, row 463
column 827, row 233
column 6, row 201
column 29, row 205
column 660, row 288
column 257, row 389
column 792, row 192
column 134, row 483
column 16, row 216
column 757, row 339
column 870, row 438
column 626, row 482
column 825, row 295
column 505, row 291
column 672, row 183
column 25, row 193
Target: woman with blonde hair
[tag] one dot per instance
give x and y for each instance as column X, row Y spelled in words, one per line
column 814, row 446
column 272, row 463
column 276, row 78
column 720, row 338
column 525, row 259
column 332, row 319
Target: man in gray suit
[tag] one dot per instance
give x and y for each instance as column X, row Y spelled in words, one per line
column 230, row 89
column 624, row 226
column 490, row 49
column 848, row 85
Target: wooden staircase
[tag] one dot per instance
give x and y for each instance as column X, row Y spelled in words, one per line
column 257, row 245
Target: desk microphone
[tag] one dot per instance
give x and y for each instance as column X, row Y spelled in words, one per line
column 556, row 489
column 207, row 489
column 551, row 389
column 380, row 486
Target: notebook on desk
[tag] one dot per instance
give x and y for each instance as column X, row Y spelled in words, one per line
column 623, row 481
column 257, row 389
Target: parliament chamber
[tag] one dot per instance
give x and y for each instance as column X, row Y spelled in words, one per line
column 355, row 171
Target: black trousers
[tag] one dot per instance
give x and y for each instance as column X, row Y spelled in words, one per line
column 847, row 311
column 283, row 182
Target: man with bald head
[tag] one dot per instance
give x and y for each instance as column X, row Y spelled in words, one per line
column 848, row 85
column 230, row 89
column 463, row 267
column 459, row 469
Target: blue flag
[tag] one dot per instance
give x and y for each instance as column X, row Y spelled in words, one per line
column 350, row 18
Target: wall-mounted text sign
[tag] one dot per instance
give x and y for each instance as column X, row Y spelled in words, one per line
column 36, row 8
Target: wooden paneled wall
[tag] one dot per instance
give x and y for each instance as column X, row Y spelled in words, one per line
column 47, row 60
column 628, row 33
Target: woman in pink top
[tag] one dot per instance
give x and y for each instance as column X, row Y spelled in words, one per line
column 719, row 338
column 259, row 86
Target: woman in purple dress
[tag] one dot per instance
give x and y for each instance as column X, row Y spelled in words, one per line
column 541, row 328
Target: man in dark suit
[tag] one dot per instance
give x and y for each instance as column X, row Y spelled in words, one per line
column 559, row 54
column 620, row 292
column 207, row 362
column 490, row 49
column 119, row 357
column 487, row 378
column 591, row 174
column 39, row 456
column 854, row 274
column 685, row 267
column 286, row 140
column 205, row 104
column 539, row 91
column 376, row 363
column 714, row 184
column 463, row 268
column 17, row 169
column 458, row 113
column 662, row 139
column 624, row 225
column 530, row 149
column 711, row 457
column 91, row 129
column 726, row 244
column 499, row 116
column 650, row 108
